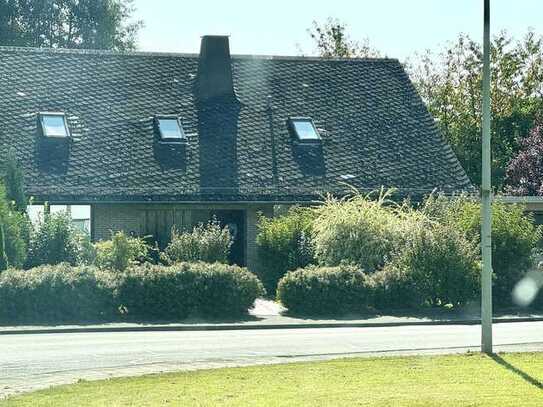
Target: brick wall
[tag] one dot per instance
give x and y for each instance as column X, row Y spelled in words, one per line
column 113, row 218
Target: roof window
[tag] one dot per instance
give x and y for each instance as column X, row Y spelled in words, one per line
column 304, row 129
column 170, row 129
column 54, row 125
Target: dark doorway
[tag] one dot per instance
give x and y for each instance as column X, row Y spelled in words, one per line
column 235, row 220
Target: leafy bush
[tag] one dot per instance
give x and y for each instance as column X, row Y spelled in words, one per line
column 3, row 257
column 358, row 231
column 436, row 266
column 60, row 293
column 325, row 290
column 16, row 227
column 120, row 252
column 187, row 289
column 284, row 244
column 207, row 242
column 514, row 238
column 13, row 180
column 55, row 240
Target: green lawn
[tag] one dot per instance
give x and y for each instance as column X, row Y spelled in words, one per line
column 466, row 380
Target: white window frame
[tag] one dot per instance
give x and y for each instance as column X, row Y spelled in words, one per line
column 172, row 140
column 292, row 124
column 43, row 115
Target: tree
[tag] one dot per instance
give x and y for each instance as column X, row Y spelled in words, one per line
column 450, row 83
column 15, row 227
column 332, row 40
column 91, row 24
column 3, row 257
column 13, row 181
column 524, row 174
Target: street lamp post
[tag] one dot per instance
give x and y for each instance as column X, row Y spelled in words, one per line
column 486, row 196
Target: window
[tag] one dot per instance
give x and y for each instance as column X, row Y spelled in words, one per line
column 304, row 129
column 54, row 125
column 170, row 129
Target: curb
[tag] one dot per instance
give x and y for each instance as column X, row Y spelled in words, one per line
column 239, row 327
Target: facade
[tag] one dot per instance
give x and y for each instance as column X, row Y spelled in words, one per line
column 152, row 140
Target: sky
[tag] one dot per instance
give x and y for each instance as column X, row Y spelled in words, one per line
column 398, row 28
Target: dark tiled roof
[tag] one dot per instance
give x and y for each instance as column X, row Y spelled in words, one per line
column 375, row 129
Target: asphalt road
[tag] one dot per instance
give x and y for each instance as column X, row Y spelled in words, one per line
column 31, row 361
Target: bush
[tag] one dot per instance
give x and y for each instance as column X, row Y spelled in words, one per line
column 514, row 239
column 55, row 240
column 436, row 266
column 325, row 290
column 187, row 289
column 56, row 294
column 357, row 231
column 120, row 252
column 207, row 242
column 284, row 244
column 3, row 257
column 16, row 227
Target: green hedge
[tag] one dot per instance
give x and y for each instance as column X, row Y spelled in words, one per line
column 60, row 293
column 187, row 289
column 325, row 290
column 63, row 293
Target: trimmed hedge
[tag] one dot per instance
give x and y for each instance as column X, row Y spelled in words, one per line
column 187, row 289
column 63, row 293
column 60, row 293
column 325, row 290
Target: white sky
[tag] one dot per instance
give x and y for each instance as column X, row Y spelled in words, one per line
column 398, row 28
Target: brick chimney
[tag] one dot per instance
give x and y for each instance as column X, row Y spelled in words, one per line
column 215, row 69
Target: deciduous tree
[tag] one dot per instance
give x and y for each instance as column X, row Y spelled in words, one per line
column 332, row 40
column 524, row 174
column 92, row 24
column 450, row 83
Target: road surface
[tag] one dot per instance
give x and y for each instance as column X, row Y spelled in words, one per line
column 34, row 361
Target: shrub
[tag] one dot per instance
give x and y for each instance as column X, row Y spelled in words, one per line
column 55, row 240
column 514, row 239
column 436, row 266
column 120, row 252
column 187, row 289
column 3, row 257
column 284, row 244
column 16, row 227
column 207, row 242
column 358, row 231
column 325, row 290
column 60, row 293
column 13, row 180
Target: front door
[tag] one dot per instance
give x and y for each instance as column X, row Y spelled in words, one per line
column 235, row 221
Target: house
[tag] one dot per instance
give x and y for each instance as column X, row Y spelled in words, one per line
column 152, row 140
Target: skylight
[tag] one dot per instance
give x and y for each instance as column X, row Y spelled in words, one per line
column 170, row 129
column 304, row 129
column 54, row 125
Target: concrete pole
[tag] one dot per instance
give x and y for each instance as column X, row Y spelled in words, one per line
column 486, row 197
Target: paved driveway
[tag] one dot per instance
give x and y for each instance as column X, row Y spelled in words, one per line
column 34, row 361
